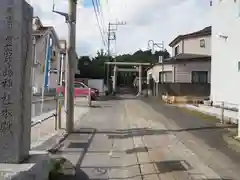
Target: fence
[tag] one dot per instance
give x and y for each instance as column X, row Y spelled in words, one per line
column 226, row 112
column 40, row 106
column 180, row 89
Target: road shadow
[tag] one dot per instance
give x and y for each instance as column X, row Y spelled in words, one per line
column 135, row 132
column 137, row 150
column 173, row 166
column 127, row 133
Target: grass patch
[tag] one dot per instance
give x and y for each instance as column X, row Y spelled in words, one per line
column 200, row 114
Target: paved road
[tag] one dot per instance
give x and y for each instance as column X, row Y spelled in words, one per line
column 203, row 136
column 128, row 138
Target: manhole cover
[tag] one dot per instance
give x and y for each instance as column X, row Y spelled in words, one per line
column 170, row 166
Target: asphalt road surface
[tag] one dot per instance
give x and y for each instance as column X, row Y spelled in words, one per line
column 139, row 139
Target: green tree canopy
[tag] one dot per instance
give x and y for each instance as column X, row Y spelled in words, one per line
column 96, row 69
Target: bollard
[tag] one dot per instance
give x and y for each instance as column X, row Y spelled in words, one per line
column 89, row 98
column 222, row 112
column 59, row 114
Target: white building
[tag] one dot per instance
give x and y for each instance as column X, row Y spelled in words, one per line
column 225, row 67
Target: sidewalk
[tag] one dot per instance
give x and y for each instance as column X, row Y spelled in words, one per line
column 121, row 140
column 44, row 133
column 213, row 111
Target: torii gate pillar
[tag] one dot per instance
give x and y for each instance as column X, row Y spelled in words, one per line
column 140, row 80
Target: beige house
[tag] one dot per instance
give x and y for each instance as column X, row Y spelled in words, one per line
column 190, row 63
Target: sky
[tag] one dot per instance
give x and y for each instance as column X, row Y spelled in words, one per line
column 158, row 20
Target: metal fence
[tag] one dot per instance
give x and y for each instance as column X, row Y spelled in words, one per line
column 228, row 111
column 40, row 106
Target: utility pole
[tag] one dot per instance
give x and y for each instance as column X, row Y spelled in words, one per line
column 69, row 80
column 111, row 37
column 160, row 60
column 109, row 57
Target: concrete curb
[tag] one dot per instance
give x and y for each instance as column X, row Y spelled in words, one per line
column 58, row 144
column 36, row 167
column 39, row 119
column 232, row 142
column 45, row 99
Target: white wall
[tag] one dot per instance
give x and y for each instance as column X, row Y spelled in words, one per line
column 96, row 83
column 158, row 68
column 180, row 44
column 192, row 46
column 225, row 53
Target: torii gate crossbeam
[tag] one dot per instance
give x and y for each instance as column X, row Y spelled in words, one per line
column 139, row 69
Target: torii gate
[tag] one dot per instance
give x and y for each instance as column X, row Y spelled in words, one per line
column 138, row 69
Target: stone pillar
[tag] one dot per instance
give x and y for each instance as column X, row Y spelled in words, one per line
column 140, row 80
column 114, row 78
column 148, row 84
column 15, row 81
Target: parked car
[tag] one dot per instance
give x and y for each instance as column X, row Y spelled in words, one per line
column 80, row 90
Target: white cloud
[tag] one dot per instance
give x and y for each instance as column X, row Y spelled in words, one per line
column 146, row 19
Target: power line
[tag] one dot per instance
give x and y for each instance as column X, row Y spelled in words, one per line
column 102, row 17
column 99, row 25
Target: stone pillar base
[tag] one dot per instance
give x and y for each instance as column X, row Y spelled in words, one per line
column 36, row 167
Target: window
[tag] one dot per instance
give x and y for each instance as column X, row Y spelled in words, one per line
column 54, row 53
column 79, row 85
column 200, row 77
column 176, row 50
column 202, row 43
column 238, row 66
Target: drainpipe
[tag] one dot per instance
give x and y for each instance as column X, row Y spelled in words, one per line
column 183, row 46
column 238, row 135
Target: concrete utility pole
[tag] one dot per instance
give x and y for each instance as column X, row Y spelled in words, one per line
column 69, row 80
column 109, row 57
column 71, row 66
column 111, row 37
column 160, row 60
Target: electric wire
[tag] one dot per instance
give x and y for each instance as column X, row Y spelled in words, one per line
column 99, row 25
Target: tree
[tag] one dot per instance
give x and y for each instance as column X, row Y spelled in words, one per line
column 95, row 67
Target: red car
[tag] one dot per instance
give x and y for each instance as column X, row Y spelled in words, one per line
column 80, row 90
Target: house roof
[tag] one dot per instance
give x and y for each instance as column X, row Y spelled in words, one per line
column 207, row 31
column 44, row 30
column 183, row 58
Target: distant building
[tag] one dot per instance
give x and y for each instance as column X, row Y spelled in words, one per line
column 190, row 64
column 191, row 61
column 46, row 57
column 225, row 52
